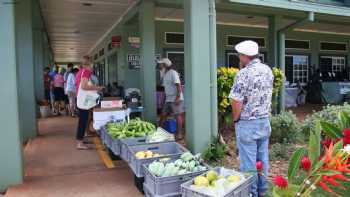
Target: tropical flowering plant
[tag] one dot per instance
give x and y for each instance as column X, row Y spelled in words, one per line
column 226, row 77
column 278, row 80
column 322, row 169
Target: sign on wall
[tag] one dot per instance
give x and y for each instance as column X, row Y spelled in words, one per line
column 134, row 42
column 134, row 60
column 116, row 41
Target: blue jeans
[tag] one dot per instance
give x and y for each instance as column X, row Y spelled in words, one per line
column 253, row 145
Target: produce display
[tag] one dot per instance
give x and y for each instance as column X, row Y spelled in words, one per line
column 187, row 163
column 146, row 154
column 160, row 136
column 217, row 184
column 133, row 128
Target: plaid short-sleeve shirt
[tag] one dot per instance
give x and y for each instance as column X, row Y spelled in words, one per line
column 253, row 87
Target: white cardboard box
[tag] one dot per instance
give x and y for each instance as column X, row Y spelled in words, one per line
column 102, row 116
column 112, row 102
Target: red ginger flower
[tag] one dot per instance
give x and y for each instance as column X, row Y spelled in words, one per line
column 346, row 133
column 331, row 180
column 280, row 181
column 259, row 166
column 326, row 188
column 326, row 142
column 305, row 163
column 340, row 177
column 346, row 141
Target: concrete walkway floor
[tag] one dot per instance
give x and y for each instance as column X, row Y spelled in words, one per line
column 54, row 168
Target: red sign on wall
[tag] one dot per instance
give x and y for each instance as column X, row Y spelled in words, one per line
column 116, row 41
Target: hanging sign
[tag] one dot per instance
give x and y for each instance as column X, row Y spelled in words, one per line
column 133, row 61
column 116, row 41
column 134, row 42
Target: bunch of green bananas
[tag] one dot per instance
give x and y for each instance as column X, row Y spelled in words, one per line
column 135, row 128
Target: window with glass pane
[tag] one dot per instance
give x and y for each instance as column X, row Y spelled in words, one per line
column 178, row 60
column 232, row 59
column 332, row 64
column 297, row 68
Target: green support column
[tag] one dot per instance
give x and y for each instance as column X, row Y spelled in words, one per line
column 348, row 57
column 107, row 66
column 11, row 165
column 122, row 62
column 315, row 48
column 282, row 65
column 39, row 63
column 148, row 64
column 213, row 71
column 310, row 17
column 25, row 62
column 273, row 50
column 273, row 40
column 197, row 74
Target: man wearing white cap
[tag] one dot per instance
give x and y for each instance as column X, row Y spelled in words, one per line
column 251, row 96
column 174, row 99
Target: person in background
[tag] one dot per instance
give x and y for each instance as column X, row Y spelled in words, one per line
column 94, row 79
column 47, row 82
column 52, row 75
column 71, row 91
column 53, row 72
column 251, row 96
column 174, row 99
column 117, row 90
column 58, row 90
column 65, row 77
column 69, row 70
column 83, row 79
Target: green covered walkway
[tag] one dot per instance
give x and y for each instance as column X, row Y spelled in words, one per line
column 39, row 33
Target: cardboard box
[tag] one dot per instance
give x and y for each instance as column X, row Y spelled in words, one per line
column 112, row 102
column 101, row 116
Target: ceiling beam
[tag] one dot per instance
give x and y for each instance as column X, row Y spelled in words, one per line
column 129, row 13
column 298, row 6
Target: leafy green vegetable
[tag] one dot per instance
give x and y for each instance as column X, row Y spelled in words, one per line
column 177, row 167
column 135, row 128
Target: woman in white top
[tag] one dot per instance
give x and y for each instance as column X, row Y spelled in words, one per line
column 71, row 91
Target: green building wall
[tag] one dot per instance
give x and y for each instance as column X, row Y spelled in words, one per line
column 129, row 78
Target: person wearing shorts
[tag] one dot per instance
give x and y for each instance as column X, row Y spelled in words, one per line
column 174, row 99
column 71, row 92
column 58, row 91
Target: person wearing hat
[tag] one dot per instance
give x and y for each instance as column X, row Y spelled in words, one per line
column 251, row 96
column 174, row 99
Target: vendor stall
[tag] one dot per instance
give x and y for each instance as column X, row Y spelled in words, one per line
column 334, row 92
column 293, row 97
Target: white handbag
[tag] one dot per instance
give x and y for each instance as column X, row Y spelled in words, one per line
column 87, row 99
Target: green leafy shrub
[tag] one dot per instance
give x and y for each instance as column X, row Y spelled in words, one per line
column 278, row 152
column 329, row 113
column 215, row 153
column 285, row 127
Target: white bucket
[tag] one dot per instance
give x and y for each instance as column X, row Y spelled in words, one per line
column 45, row 111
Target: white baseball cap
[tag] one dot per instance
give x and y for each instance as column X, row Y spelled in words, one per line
column 247, row 47
column 165, row 61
